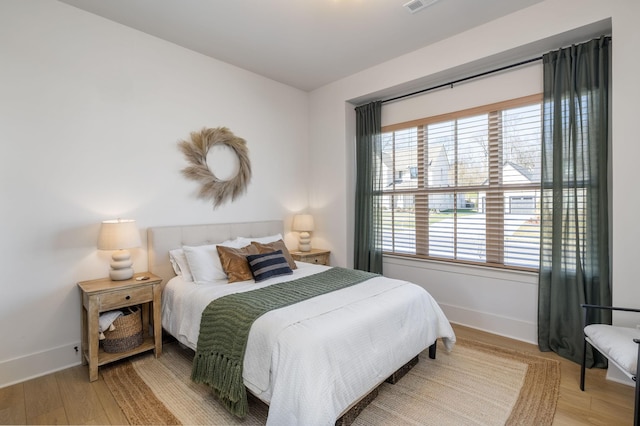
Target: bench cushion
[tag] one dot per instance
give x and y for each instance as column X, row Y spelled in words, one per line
column 616, row 343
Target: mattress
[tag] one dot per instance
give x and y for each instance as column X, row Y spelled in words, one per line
column 310, row 361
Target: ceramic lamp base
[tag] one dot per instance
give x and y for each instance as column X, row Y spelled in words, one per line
column 304, row 241
column 121, row 274
column 121, row 266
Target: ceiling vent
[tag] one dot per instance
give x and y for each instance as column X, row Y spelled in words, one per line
column 417, row 5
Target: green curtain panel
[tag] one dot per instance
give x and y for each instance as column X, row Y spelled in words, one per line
column 368, row 220
column 574, row 227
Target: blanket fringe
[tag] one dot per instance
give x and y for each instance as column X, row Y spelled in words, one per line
column 224, row 376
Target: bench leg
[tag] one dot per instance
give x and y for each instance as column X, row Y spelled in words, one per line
column 636, row 409
column 582, row 367
column 636, row 412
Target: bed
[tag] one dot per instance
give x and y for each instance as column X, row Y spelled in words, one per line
column 313, row 361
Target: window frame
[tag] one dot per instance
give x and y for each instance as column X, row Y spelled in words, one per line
column 495, row 220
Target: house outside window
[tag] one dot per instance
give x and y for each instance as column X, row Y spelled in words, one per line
column 465, row 186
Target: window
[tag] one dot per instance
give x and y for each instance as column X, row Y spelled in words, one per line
column 465, row 186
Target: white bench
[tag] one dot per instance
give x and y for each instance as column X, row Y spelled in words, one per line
column 620, row 345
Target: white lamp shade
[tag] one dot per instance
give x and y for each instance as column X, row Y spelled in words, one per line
column 118, row 234
column 303, row 223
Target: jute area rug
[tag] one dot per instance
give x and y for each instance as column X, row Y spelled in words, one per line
column 475, row 384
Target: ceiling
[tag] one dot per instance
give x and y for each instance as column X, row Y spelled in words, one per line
column 302, row 43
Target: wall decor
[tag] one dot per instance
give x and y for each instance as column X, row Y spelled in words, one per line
column 211, row 187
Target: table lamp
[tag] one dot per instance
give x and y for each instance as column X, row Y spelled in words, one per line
column 303, row 223
column 119, row 235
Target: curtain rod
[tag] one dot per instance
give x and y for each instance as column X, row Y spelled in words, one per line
column 482, row 74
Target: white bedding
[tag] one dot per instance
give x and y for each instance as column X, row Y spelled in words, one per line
column 312, row 360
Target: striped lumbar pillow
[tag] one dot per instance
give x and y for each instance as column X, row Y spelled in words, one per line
column 268, row 265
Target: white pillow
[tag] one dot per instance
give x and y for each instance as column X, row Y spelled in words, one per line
column 265, row 240
column 180, row 264
column 204, row 261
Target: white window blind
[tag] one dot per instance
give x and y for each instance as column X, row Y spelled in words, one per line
column 465, row 186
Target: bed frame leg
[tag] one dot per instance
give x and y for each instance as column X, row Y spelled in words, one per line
column 432, row 350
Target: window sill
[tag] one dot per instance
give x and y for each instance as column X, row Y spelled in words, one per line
column 526, row 277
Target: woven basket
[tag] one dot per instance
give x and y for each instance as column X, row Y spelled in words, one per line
column 127, row 334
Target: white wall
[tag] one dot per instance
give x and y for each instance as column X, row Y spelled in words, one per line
column 501, row 302
column 515, row 83
column 90, row 116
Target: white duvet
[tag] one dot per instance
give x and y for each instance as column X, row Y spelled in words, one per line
column 312, row 360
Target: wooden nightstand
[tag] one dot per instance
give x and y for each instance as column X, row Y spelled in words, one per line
column 104, row 295
column 317, row 256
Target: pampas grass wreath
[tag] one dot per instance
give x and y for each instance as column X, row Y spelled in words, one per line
column 211, row 187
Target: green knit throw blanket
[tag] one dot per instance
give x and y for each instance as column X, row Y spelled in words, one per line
column 225, row 325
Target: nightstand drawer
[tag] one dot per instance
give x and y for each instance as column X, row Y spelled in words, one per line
column 321, row 259
column 122, row 298
column 316, row 256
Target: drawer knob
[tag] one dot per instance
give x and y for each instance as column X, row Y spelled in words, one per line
column 128, row 297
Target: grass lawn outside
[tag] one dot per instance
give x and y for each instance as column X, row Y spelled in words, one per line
column 521, row 235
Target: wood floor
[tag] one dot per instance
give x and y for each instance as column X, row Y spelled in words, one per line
column 67, row 397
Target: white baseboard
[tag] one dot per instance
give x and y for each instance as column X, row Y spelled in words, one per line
column 18, row 370
column 508, row 327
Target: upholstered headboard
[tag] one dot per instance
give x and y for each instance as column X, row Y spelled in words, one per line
column 164, row 238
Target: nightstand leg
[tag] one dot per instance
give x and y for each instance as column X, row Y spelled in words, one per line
column 83, row 341
column 94, row 342
column 157, row 320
